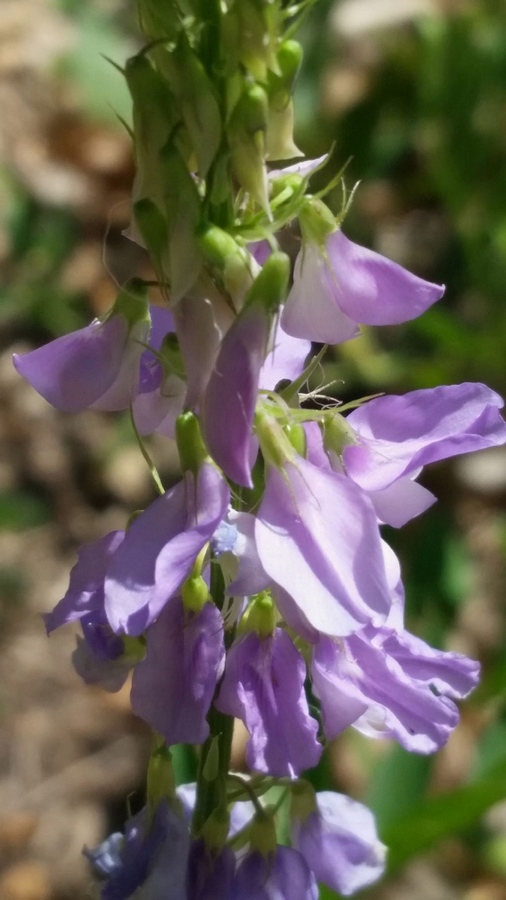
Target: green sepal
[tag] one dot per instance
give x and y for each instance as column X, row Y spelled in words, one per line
column 161, row 783
column 132, row 303
column 154, row 231
column 274, row 444
column 302, row 800
column 270, row 287
column 316, row 221
column 297, row 437
column 262, row 834
column 337, row 434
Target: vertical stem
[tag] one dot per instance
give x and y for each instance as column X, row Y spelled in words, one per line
column 212, row 786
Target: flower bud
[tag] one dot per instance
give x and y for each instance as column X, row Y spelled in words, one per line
column 195, row 593
column 258, row 26
column 246, row 137
column 236, row 266
column 260, row 616
column 195, row 99
column 191, row 447
column 279, row 139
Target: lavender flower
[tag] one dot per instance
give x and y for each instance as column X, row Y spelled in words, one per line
column 151, row 861
column 173, row 686
column 347, row 284
column 337, row 838
column 371, row 681
column 96, row 366
column 281, row 875
column 264, row 686
column 85, row 594
column 160, row 549
column 317, row 537
column 210, row 873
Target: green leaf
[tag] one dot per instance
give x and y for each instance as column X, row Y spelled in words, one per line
column 441, row 816
column 398, row 783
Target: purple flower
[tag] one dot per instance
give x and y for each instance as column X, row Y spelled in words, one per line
column 264, row 686
column 285, row 358
column 391, row 686
column 158, row 409
column 282, row 875
column 231, row 395
column 151, row 861
column 160, row 549
column 173, row 686
column 85, row 594
column 317, row 537
column 97, row 366
column 201, row 323
column 398, row 435
column 339, row 843
column 331, row 294
column 210, row 874
column 94, row 666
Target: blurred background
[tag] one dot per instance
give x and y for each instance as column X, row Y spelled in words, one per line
column 413, row 93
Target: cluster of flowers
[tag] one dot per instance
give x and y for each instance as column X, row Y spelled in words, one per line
column 260, row 579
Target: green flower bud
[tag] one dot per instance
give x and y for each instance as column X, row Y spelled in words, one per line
column 154, row 120
column 258, row 29
column 195, row 98
column 181, row 206
column 235, row 265
column 246, row 138
column 195, row 593
column 279, row 139
column 260, row 616
column 159, row 20
column 191, row 447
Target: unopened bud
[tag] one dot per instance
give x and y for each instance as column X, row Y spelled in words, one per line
column 191, row 447
column 246, row 138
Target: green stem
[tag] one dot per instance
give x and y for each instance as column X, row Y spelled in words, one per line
column 212, row 794
column 212, row 785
